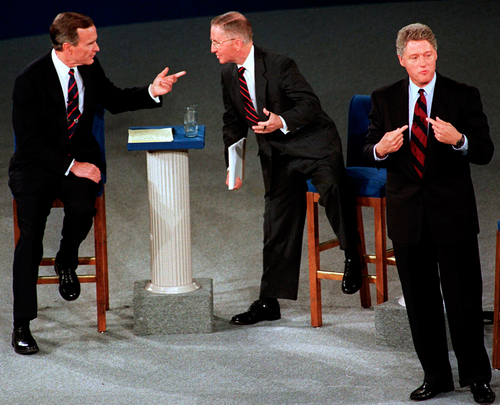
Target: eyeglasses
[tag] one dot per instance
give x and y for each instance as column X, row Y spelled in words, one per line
column 218, row 44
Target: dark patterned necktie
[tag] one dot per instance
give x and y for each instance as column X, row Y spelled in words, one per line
column 72, row 109
column 250, row 113
column 419, row 133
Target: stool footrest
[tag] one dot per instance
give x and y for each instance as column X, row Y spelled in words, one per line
column 330, row 275
column 82, row 261
column 336, row 275
column 84, row 278
column 391, row 260
column 328, row 244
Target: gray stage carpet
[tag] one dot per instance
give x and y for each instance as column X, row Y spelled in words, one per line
column 343, row 51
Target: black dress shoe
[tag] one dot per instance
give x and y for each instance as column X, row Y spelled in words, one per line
column 482, row 392
column 352, row 280
column 260, row 310
column 69, row 285
column 23, row 342
column 428, row 391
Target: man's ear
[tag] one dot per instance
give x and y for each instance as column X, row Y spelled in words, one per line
column 401, row 61
column 238, row 43
column 66, row 47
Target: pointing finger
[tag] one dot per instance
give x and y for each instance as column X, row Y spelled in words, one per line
column 433, row 122
column 164, row 72
column 402, row 129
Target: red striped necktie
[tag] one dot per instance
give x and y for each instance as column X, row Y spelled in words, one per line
column 419, row 133
column 250, row 113
column 72, row 109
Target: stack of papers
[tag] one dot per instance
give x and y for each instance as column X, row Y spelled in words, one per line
column 150, row 135
column 236, row 162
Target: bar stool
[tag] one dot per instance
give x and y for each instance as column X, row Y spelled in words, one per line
column 369, row 186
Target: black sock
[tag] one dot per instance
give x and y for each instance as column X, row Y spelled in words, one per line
column 269, row 301
column 22, row 322
column 352, row 254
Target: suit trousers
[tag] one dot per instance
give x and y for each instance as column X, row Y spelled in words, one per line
column 285, row 213
column 78, row 196
column 430, row 271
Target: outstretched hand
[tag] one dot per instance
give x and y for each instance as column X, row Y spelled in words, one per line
column 163, row 83
column 272, row 124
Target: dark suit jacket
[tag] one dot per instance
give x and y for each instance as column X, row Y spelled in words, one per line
column 445, row 193
column 281, row 88
column 43, row 150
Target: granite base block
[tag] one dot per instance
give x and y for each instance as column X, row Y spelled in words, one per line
column 392, row 328
column 190, row 312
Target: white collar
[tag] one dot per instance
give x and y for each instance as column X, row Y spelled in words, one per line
column 249, row 63
column 429, row 89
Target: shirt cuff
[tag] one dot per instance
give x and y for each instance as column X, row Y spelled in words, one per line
column 285, row 127
column 464, row 148
column 69, row 168
column 375, row 154
column 156, row 99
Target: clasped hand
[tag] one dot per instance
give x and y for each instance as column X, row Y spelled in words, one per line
column 86, row 170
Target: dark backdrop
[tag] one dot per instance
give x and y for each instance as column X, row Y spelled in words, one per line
column 33, row 17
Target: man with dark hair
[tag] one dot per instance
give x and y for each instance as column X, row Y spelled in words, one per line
column 57, row 156
column 297, row 141
column 427, row 129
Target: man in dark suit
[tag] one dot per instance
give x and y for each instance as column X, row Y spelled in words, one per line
column 57, row 156
column 297, row 141
column 427, row 129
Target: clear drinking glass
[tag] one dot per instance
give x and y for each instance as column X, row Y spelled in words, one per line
column 191, row 121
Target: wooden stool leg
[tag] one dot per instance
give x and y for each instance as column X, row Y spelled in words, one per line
column 364, row 292
column 380, row 251
column 105, row 251
column 100, row 265
column 314, row 266
column 495, row 358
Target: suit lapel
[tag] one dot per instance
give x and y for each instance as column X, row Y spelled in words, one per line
column 235, row 88
column 86, row 78
column 260, row 83
column 56, row 92
column 402, row 110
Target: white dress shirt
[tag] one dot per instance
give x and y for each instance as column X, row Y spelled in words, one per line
column 63, row 74
column 249, row 75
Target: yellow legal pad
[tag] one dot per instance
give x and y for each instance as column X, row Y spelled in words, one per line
column 150, row 135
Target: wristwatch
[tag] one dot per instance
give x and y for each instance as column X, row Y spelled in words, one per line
column 460, row 142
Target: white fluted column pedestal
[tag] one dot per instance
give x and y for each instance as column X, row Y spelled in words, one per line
column 169, row 222
column 172, row 301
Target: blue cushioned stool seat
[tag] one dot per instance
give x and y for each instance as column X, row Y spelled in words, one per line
column 366, row 182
